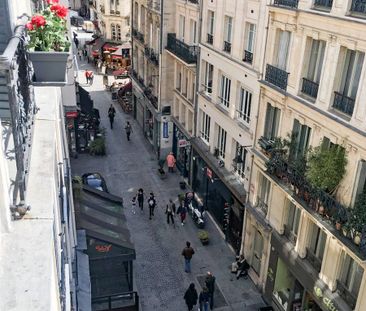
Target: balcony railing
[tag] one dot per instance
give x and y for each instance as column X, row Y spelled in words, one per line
column 358, row 6
column 248, row 57
column 17, row 96
column 152, row 98
column 118, row 12
column 186, row 52
column 111, row 12
column 209, row 38
column 309, row 87
column 193, row 1
column 346, row 294
column 276, row 76
column 262, row 206
column 227, row 46
column 315, row 261
column 327, row 4
column 343, row 103
column 287, row 3
column 152, row 56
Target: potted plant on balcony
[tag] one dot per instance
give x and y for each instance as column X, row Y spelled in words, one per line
column 49, row 44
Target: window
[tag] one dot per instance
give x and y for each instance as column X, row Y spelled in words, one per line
column 360, row 185
column 300, row 140
column 257, row 251
column 136, row 17
column 205, row 126
column 113, row 32
column 245, row 105
column 221, row 141
column 282, row 47
column 292, row 223
column 250, row 36
column 239, row 160
column 179, row 81
column 193, row 32
column 118, row 27
column 315, row 250
column 210, row 26
column 263, row 193
column 272, row 121
column 208, row 78
column 349, row 279
column 316, row 60
column 182, row 21
column 225, row 91
column 228, row 28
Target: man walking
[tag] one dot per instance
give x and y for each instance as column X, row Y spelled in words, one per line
column 152, row 203
column 140, row 199
column 210, row 284
column 128, row 129
column 111, row 114
column 187, row 253
column 170, row 211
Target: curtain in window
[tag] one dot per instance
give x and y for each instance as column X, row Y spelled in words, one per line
column 316, row 60
column 272, row 122
column 282, row 51
column 300, row 135
column 228, row 28
column 250, row 37
column 225, row 91
column 245, row 105
column 181, row 27
column 351, row 73
column 317, row 243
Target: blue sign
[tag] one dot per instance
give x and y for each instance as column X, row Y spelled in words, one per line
column 165, row 130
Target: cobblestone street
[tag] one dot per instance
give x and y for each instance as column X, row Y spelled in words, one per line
column 159, row 268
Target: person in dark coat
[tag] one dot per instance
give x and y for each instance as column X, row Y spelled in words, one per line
column 140, row 198
column 204, row 299
column 210, row 284
column 182, row 211
column 191, row 297
column 152, row 204
column 187, row 253
column 128, row 129
column 170, row 211
column 111, row 114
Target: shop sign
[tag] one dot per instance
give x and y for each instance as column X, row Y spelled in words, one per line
column 326, row 301
column 71, row 114
column 182, row 143
column 103, row 248
column 208, row 173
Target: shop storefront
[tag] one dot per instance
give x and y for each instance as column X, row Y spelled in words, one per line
column 182, row 152
column 291, row 285
column 226, row 209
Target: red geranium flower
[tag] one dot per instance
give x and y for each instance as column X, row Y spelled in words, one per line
column 30, row 26
column 59, row 10
column 38, row 21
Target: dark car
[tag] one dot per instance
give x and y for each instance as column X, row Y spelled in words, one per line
column 95, row 180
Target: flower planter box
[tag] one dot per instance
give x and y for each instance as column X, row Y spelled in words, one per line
column 49, row 66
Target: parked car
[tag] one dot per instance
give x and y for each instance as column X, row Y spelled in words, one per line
column 95, row 180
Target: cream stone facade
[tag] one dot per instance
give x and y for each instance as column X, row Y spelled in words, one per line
column 313, row 88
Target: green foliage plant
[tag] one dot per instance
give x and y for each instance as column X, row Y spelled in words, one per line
column 97, row 146
column 203, row 235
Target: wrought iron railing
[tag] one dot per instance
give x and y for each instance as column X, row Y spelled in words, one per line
column 345, row 293
column 248, row 57
column 193, row 1
column 323, row 3
column 152, row 98
column 343, row 103
column 309, row 87
column 276, row 76
column 227, row 46
column 209, row 38
column 16, row 71
column 287, row 3
column 358, row 6
column 111, row 12
column 186, row 52
column 314, row 260
column 263, row 206
column 152, row 55
column 140, row 36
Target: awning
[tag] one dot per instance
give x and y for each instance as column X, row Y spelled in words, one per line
column 110, row 47
column 120, row 72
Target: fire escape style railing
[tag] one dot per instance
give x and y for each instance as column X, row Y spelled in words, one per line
column 358, row 6
column 186, row 52
column 287, row 3
column 16, row 70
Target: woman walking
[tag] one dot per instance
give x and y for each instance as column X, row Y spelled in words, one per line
column 182, row 211
column 191, row 297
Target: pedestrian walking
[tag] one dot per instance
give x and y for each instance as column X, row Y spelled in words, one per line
column 210, row 284
column 76, row 41
column 191, row 297
column 152, row 204
column 187, row 253
column 87, row 76
column 91, row 77
column 80, row 53
column 128, row 130
column 182, row 211
column 170, row 211
column 140, row 198
column 133, row 204
column 204, row 299
column 170, row 160
column 111, row 114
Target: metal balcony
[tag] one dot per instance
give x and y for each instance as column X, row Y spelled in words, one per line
column 209, row 38
column 152, row 98
column 309, row 87
column 276, row 76
column 193, row 1
column 248, row 57
column 227, row 46
column 358, row 6
column 187, row 53
column 287, row 3
column 152, row 56
column 326, row 4
column 343, row 103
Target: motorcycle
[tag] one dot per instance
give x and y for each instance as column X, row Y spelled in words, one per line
column 240, row 267
column 197, row 212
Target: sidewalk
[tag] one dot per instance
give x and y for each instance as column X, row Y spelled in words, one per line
column 159, row 267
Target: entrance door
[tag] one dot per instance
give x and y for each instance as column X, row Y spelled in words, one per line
column 257, row 252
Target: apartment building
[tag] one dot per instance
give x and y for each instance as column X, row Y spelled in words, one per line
column 151, row 72
column 231, row 48
column 311, row 94
column 182, row 48
column 112, row 18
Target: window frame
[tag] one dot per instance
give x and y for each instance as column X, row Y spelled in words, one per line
column 221, row 141
column 272, row 122
column 225, row 89
column 205, row 126
column 245, row 105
